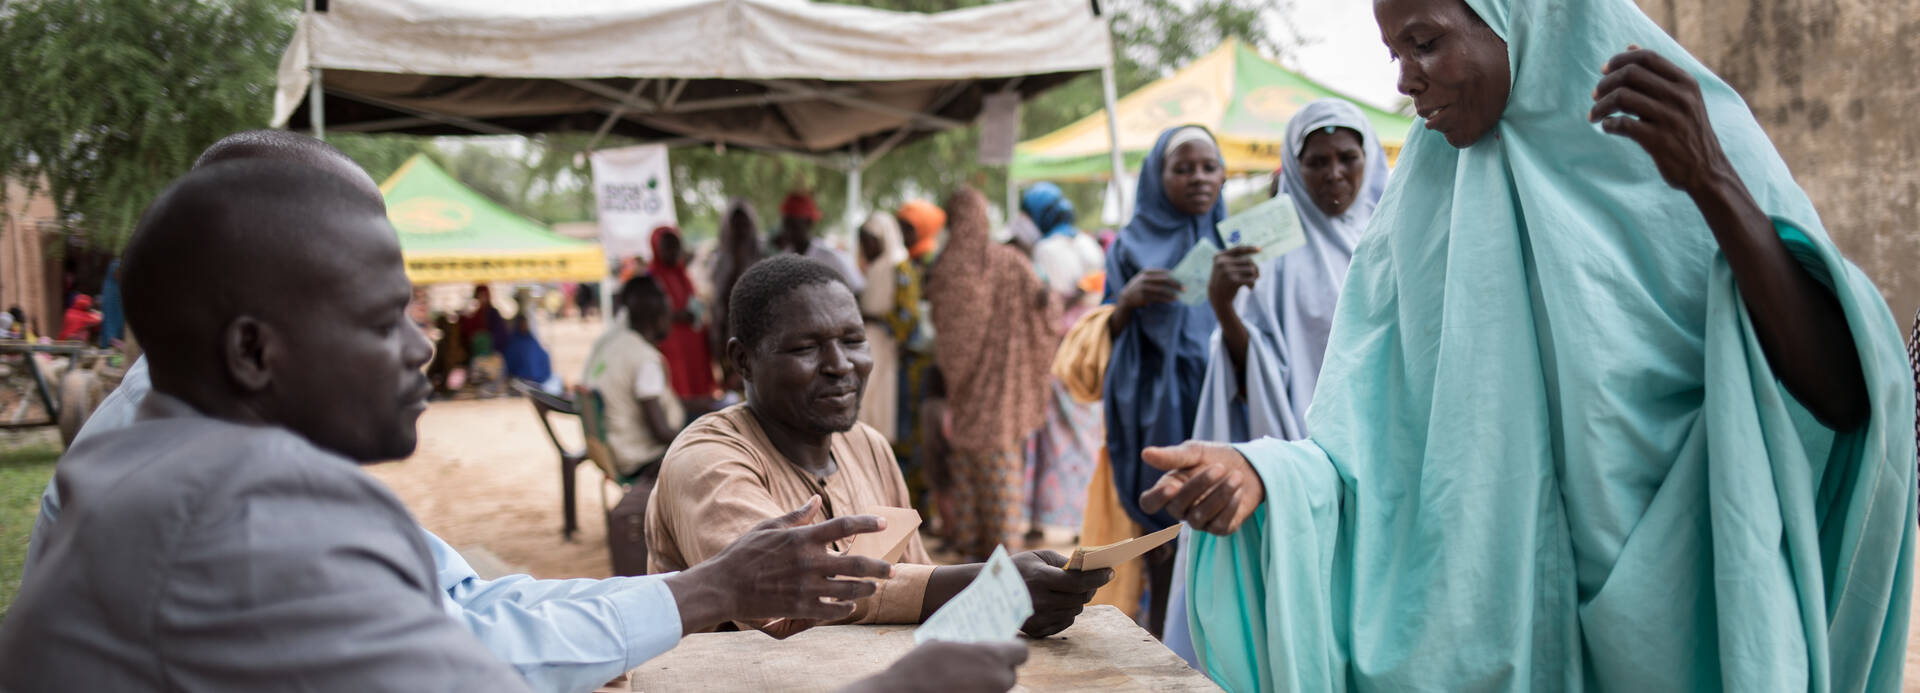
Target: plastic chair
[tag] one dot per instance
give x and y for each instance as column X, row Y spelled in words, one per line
column 593, row 420
column 545, row 403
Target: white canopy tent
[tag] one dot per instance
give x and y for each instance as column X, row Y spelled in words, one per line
column 843, row 85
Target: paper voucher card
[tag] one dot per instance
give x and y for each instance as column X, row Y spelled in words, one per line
column 887, row 544
column 1194, row 271
column 1272, row 226
column 989, row 609
column 1097, row 557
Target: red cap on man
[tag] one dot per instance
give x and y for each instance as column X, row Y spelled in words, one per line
column 799, row 205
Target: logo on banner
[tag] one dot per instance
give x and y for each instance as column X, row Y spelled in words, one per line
column 430, row 215
column 1277, row 104
column 635, row 197
column 644, row 198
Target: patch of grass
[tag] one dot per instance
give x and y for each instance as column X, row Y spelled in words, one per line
column 23, row 475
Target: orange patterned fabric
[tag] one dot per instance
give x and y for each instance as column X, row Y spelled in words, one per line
column 926, row 219
column 998, row 326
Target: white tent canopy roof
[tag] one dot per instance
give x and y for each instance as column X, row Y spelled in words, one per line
column 767, row 74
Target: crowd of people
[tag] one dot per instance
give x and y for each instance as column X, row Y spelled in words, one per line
column 961, row 330
column 97, row 321
column 1579, row 395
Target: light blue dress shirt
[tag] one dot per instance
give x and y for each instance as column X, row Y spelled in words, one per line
column 564, row 636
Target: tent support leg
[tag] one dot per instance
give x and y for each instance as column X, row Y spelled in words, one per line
column 317, row 107
column 1013, row 197
column 1113, row 140
column 854, row 166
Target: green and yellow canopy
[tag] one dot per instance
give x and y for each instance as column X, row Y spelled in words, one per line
column 449, row 233
column 1243, row 98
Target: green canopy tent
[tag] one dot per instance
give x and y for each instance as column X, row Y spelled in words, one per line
column 449, row 233
column 1245, row 99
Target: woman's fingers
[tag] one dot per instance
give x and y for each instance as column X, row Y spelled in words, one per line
column 1161, row 294
column 1203, row 485
column 1209, row 510
column 1639, row 105
column 1155, row 499
column 1659, row 64
column 1636, row 91
column 1229, row 519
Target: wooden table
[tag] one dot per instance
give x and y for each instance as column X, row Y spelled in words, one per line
column 1103, row 651
column 71, row 349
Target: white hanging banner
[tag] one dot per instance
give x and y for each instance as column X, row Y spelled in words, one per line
column 634, row 187
column 999, row 128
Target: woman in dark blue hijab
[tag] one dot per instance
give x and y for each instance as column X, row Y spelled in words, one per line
column 1160, row 346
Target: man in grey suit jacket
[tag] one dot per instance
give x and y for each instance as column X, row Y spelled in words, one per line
column 228, row 540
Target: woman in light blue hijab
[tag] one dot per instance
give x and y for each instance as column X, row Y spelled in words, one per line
column 1603, row 407
column 1273, row 337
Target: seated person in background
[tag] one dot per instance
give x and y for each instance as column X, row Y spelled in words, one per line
column 81, row 319
column 448, row 370
column 227, row 539
column 484, row 319
column 526, row 359
column 639, row 413
column 800, row 346
column 21, row 329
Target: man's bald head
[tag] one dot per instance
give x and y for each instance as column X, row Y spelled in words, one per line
column 272, row 290
column 285, row 145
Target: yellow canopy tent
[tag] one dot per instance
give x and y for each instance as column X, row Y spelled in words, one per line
column 1245, row 99
column 449, row 233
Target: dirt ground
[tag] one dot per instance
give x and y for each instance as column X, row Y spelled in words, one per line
column 487, row 480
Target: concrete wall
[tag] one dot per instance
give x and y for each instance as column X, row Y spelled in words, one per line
column 1836, row 83
column 24, row 275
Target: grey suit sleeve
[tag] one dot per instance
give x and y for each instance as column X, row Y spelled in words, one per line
column 318, row 582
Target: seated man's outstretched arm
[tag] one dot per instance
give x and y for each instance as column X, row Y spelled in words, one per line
column 563, row 636
column 708, row 496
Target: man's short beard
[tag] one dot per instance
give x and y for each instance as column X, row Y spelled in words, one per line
column 825, row 428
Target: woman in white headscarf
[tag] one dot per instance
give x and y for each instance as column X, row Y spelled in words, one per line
column 882, row 250
column 1267, row 353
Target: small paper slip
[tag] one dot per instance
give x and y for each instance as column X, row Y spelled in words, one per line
column 1272, row 226
column 1097, row 557
column 889, row 543
column 989, row 609
column 1194, row 271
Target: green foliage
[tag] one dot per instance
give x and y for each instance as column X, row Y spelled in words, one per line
column 107, row 100
column 24, row 471
column 380, row 155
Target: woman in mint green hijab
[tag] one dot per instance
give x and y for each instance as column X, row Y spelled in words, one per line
column 1603, row 407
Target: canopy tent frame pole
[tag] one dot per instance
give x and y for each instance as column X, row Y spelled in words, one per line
column 638, row 105
column 900, row 134
column 614, row 116
column 479, row 127
column 317, row 105
column 855, row 166
column 863, row 104
column 1013, row 189
column 316, row 101
column 1113, row 140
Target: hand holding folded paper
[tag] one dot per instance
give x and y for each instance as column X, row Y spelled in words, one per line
column 1097, row 557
